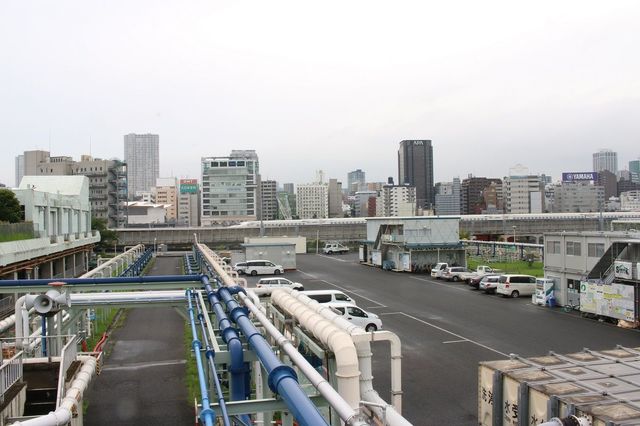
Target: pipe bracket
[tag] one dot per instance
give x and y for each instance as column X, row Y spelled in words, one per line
column 278, row 374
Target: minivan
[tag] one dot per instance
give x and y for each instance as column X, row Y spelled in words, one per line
column 279, row 283
column 516, row 285
column 255, row 267
column 436, row 271
column 367, row 320
column 327, row 296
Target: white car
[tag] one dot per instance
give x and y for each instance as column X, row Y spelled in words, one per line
column 255, row 267
column 367, row 320
column 279, row 283
column 438, row 270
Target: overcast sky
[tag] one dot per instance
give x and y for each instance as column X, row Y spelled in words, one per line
column 331, row 85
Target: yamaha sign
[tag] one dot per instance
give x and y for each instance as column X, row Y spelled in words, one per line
column 579, row 176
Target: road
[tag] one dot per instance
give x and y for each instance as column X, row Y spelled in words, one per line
column 446, row 329
column 142, row 381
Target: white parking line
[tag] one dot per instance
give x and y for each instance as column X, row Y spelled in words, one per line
column 455, row 341
column 331, row 257
column 453, row 334
column 381, row 305
column 453, row 286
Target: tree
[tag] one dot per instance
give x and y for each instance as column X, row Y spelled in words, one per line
column 107, row 236
column 10, row 210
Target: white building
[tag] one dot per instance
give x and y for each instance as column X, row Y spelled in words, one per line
column 523, row 193
column 630, row 201
column 143, row 213
column 165, row 192
column 577, row 197
column 605, row 159
column 142, row 155
column 364, row 201
column 312, row 201
column 398, row 200
column 19, row 170
column 230, row 188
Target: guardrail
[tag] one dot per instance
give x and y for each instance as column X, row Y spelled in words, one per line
column 68, row 355
column 10, row 373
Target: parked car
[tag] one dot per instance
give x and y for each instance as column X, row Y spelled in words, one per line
column 454, row 273
column 516, row 285
column 279, row 283
column 367, row 320
column 327, row 296
column 489, row 283
column 255, row 267
column 331, row 248
column 436, row 271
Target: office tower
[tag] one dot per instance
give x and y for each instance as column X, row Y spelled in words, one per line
column 578, row 197
column 31, row 160
column 605, row 159
column 472, row 195
column 335, row 198
column 268, row 200
column 142, row 155
column 448, row 198
column 415, row 168
column 230, row 188
column 355, row 181
column 634, row 170
column 188, row 203
column 398, row 200
column 523, row 193
column 609, row 181
column 165, row 192
column 289, row 188
column 312, row 201
column 365, row 203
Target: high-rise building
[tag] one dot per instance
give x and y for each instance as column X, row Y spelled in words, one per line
column 365, row 203
column 605, row 159
column 609, row 181
column 415, row 168
column 289, row 188
column 188, row 203
column 398, row 200
column 230, row 187
column 578, row 197
column 312, row 201
column 355, row 181
column 335, row 198
column 634, row 170
column 523, row 193
column 19, row 169
column 165, row 192
column 32, row 160
column 268, row 200
column 472, row 190
column 448, row 198
column 630, row 201
column 142, row 155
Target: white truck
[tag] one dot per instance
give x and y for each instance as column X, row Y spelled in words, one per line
column 480, row 272
column 331, row 248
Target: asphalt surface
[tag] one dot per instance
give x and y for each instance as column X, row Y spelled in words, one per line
column 446, row 329
column 142, row 381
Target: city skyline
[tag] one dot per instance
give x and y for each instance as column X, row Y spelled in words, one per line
column 487, row 87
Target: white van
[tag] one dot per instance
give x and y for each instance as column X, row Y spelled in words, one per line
column 516, row 285
column 327, row 296
column 437, row 271
column 255, row 267
column 367, row 320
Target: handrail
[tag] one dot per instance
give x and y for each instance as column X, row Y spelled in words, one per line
column 10, row 373
column 68, row 354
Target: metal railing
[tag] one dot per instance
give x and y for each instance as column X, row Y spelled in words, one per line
column 68, row 355
column 7, row 306
column 10, row 373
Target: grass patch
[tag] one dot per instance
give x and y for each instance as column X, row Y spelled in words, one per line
column 191, row 370
column 17, row 236
column 516, row 267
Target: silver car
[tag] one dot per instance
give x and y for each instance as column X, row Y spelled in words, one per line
column 489, row 283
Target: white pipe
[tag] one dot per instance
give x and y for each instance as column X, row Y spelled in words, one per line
column 139, row 297
column 336, row 339
column 362, row 343
column 342, row 407
column 122, row 256
column 19, row 320
column 73, row 395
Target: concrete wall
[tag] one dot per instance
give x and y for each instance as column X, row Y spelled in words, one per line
column 280, row 254
column 300, row 242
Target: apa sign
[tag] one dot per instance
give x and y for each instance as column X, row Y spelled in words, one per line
column 579, row 176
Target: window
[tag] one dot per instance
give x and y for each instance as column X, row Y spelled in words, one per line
column 595, row 249
column 573, row 248
column 342, row 297
column 356, row 312
column 553, row 247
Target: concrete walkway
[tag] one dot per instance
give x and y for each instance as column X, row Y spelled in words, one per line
column 142, row 382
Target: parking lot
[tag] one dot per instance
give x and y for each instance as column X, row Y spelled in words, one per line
column 446, row 329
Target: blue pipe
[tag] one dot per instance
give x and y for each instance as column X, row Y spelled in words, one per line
column 230, row 336
column 109, row 280
column 210, row 354
column 207, row 415
column 282, row 378
column 44, row 335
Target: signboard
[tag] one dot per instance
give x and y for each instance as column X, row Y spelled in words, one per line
column 579, row 176
column 613, row 300
column 623, row 269
column 188, row 186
